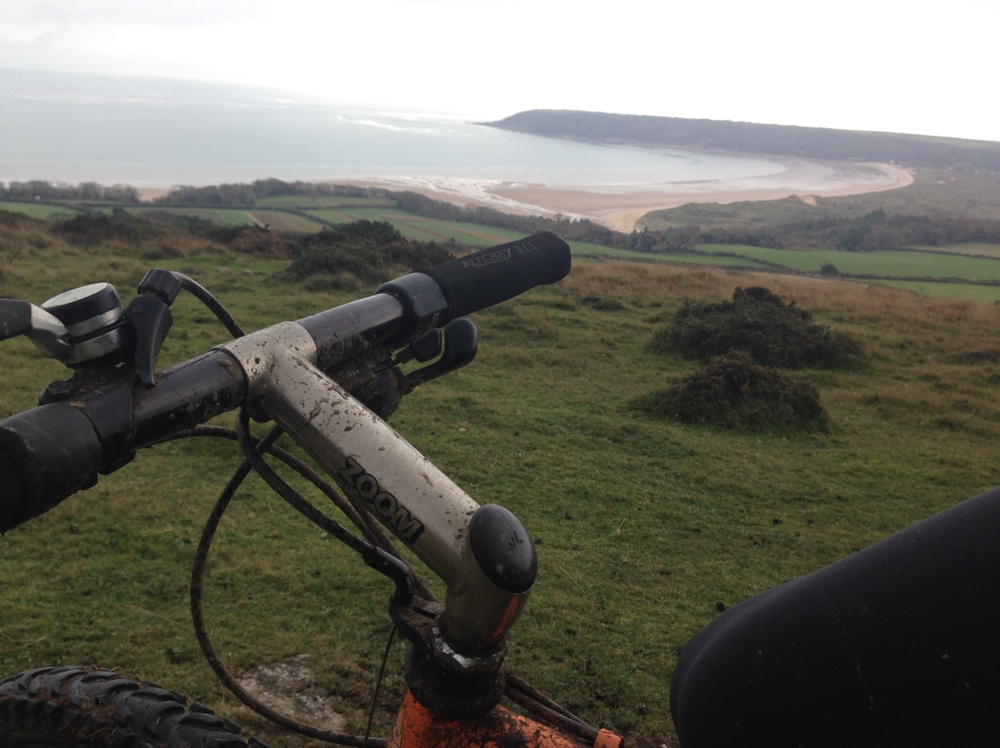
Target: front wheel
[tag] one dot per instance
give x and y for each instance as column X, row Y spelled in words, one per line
column 66, row 707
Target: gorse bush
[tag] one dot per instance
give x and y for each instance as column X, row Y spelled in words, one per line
column 742, row 341
column 735, row 393
column 100, row 228
column 759, row 323
column 379, row 232
column 363, row 250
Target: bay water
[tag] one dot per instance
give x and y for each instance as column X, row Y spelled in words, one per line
column 150, row 132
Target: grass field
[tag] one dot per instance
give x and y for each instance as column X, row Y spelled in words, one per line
column 980, row 250
column 954, row 291
column 882, row 263
column 954, row 272
column 644, row 527
column 39, row 210
column 310, row 202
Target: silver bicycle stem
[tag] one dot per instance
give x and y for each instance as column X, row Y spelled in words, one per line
column 483, row 554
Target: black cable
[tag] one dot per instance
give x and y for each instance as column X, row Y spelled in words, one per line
column 375, row 535
column 378, row 685
column 545, row 709
column 203, row 295
column 201, row 629
column 255, row 447
column 375, row 540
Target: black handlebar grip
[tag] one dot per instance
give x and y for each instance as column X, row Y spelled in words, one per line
column 493, row 275
column 46, row 454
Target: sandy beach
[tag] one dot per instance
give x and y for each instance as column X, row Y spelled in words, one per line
column 621, row 206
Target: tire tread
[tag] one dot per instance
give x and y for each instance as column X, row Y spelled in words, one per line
column 102, row 708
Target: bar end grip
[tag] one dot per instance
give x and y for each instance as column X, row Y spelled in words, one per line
column 500, row 273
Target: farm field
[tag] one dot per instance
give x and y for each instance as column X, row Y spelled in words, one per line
column 970, row 271
column 954, row 291
column 38, row 210
column 881, row 263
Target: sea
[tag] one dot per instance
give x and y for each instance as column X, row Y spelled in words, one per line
column 160, row 133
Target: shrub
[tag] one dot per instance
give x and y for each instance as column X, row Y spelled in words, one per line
column 366, row 250
column 758, row 322
column 735, row 393
column 380, row 233
column 358, row 257
column 11, row 219
column 100, row 228
column 254, row 240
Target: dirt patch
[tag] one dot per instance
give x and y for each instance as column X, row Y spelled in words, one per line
column 288, row 686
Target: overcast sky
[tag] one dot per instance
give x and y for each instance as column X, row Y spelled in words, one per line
column 920, row 66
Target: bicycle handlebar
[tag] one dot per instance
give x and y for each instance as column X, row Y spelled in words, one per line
column 54, row 450
column 491, row 276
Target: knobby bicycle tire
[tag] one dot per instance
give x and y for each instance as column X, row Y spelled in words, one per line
column 58, row 707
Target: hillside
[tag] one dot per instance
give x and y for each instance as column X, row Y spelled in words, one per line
column 940, row 236
column 663, row 522
column 749, row 137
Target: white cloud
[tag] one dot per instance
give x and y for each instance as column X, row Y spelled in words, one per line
column 905, row 65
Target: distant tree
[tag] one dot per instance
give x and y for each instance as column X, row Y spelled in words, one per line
column 89, row 191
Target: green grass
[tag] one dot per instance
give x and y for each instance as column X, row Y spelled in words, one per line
column 284, row 222
column 954, row 291
column 947, row 267
column 643, row 525
column 418, row 228
column 981, row 250
column 38, row 210
column 733, row 259
column 886, row 263
column 946, row 272
column 224, row 216
column 307, row 202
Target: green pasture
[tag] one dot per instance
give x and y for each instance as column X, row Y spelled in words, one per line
column 708, row 258
column 339, row 215
column 419, row 228
column 283, row 221
column 315, row 202
column 38, row 210
column 885, row 263
column 954, row 291
column 982, row 250
column 645, row 528
column 222, row 216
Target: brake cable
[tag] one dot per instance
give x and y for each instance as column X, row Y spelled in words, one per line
column 375, row 547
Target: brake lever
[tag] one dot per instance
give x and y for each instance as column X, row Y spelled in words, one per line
column 461, row 343
column 150, row 317
column 376, row 380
